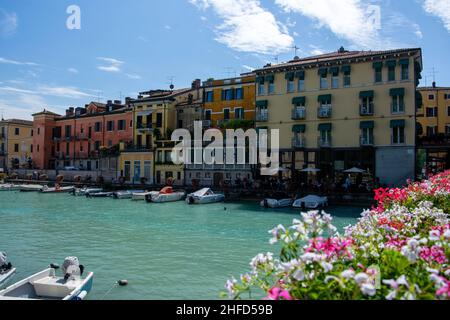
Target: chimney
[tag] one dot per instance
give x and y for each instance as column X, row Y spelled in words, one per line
column 434, row 84
column 109, row 102
column 196, row 84
column 117, row 102
column 70, row 112
column 127, row 100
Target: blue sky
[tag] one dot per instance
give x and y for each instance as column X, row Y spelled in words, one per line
column 124, row 47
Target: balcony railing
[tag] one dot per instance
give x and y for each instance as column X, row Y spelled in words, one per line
column 367, row 140
column 298, row 113
column 324, row 112
column 136, row 148
column 144, row 127
column 298, row 142
column 366, row 109
column 324, row 143
column 262, row 116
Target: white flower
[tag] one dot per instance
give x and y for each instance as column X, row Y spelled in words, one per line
column 435, row 235
column 299, row 275
column 368, row 289
column 392, row 295
column 230, row 287
column 447, row 234
column 361, row 278
column 327, row 267
column 348, row 274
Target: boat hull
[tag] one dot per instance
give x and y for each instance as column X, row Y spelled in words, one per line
column 162, row 198
column 5, row 277
column 205, row 199
column 276, row 204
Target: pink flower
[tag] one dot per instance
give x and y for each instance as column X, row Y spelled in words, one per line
column 278, row 294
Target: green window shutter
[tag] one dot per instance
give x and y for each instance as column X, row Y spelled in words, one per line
column 323, row 71
column 378, row 65
column 299, row 100
column 299, row 128
column 419, row 128
column 391, row 63
column 366, row 94
column 334, row 71
column 398, row 123
column 290, row 76
column 404, row 62
column 325, row 127
column 346, row 69
column 270, row 78
column 324, row 98
column 419, row 99
column 260, row 80
column 261, row 103
column 367, row 125
column 397, row 92
column 300, row 75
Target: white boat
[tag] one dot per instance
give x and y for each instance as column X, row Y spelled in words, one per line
column 279, row 200
column 9, row 187
column 6, row 270
column 83, row 191
column 46, row 189
column 166, row 195
column 311, row 202
column 204, row 196
column 30, row 187
column 99, row 194
column 46, row 285
column 127, row 194
column 141, row 196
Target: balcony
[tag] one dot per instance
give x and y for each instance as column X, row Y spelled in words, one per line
column 366, row 109
column 324, row 143
column 262, row 116
column 298, row 142
column 136, row 148
column 324, row 112
column 366, row 141
column 142, row 127
column 298, row 113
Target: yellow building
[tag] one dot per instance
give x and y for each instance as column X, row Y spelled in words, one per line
column 16, row 139
column 342, row 110
column 433, row 118
column 229, row 99
column 165, row 169
column 135, row 165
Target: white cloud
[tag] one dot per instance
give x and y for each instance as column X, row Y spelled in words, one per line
column 203, row 18
column 249, row 68
column 15, row 62
column 16, row 90
column 113, row 65
column 439, row 8
column 133, row 76
column 247, row 26
column 8, row 23
column 167, row 27
column 65, row 92
column 347, row 19
column 315, row 50
column 73, row 70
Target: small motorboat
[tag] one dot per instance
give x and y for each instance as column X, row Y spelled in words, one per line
column 141, row 196
column 57, row 189
column 311, row 202
column 166, row 195
column 279, row 200
column 99, row 194
column 46, row 285
column 204, row 196
column 30, row 187
column 6, row 269
column 127, row 194
column 9, row 187
column 79, row 192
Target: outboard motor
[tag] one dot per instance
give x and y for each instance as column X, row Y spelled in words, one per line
column 266, row 203
column 4, row 265
column 191, row 200
column 71, row 268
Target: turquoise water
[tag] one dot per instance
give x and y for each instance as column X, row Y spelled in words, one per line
column 165, row 251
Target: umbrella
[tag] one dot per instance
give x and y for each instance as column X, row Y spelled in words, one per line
column 355, row 170
column 310, row 170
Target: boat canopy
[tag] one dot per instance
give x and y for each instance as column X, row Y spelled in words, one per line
column 203, row 192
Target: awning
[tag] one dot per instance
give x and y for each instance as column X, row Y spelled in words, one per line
column 398, row 123
column 366, row 94
column 378, row 65
column 299, row 128
column 404, row 62
column 270, row 77
column 397, row 92
column 334, row 70
column 391, row 63
column 367, row 125
column 290, row 76
column 260, row 80
column 346, row 69
column 324, row 98
column 325, row 127
column 300, row 75
column 299, row 100
column 323, row 71
column 262, row 103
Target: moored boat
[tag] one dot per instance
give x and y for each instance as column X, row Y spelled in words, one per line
column 83, row 191
column 127, row 194
column 141, row 196
column 46, row 285
column 279, row 200
column 311, row 202
column 204, row 196
column 99, row 194
column 166, row 194
column 9, row 187
column 6, row 270
column 30, row 187
column 57, row 189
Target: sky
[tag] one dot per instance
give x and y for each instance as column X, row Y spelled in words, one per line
column 121, row 48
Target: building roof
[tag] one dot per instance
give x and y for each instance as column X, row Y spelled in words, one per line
column 17, row 121
column 334, row 57
column 432, row 88
column 155, row 95
column 46, row 112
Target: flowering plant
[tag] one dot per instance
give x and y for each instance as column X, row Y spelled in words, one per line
column 397, row 250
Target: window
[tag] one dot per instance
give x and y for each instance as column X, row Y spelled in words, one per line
column 68, row 131
column 398, row 100
column 334, row 78
column 378, row 74
column 159, row 120
column 81, row 148
column 447, row 129
column 110, row 143
column 16, row 147
column 239, row 113
column 367, row 136
column 97, row 145
column 208, row 114
column 121, row 124
column 98, row 127
column 226, row 114
column 209, row 96
column 324, row 81
column 127, row 170
column 67, row 149
column 398, row 135
column 367, row 106
column 39, row 131
column 16, row 131
column 432, row 112
column 431, row 131
column 180, row 124
column 110, row 125
column 431, row 97
column 301, row 85
column 261, row 89
column 32, row 132
column 58, row 147
column 227, row 95
column 325, row 137
column 38, row 148
column 272, row 86
column 239, row 93
column 31, row 148
column 405, row 72
column 178, row 176
column 391, row 73
column 347, row 72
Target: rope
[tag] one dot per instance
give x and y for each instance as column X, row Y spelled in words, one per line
column 109, row 291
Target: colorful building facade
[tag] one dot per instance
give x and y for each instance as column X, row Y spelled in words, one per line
column 16, row 150
column 342, row 110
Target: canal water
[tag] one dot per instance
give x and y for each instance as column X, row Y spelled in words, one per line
column 165, row 251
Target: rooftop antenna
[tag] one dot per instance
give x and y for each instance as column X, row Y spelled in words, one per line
column 171, row 85
column 295, row 50
column 276, row 58
column 230, row 72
